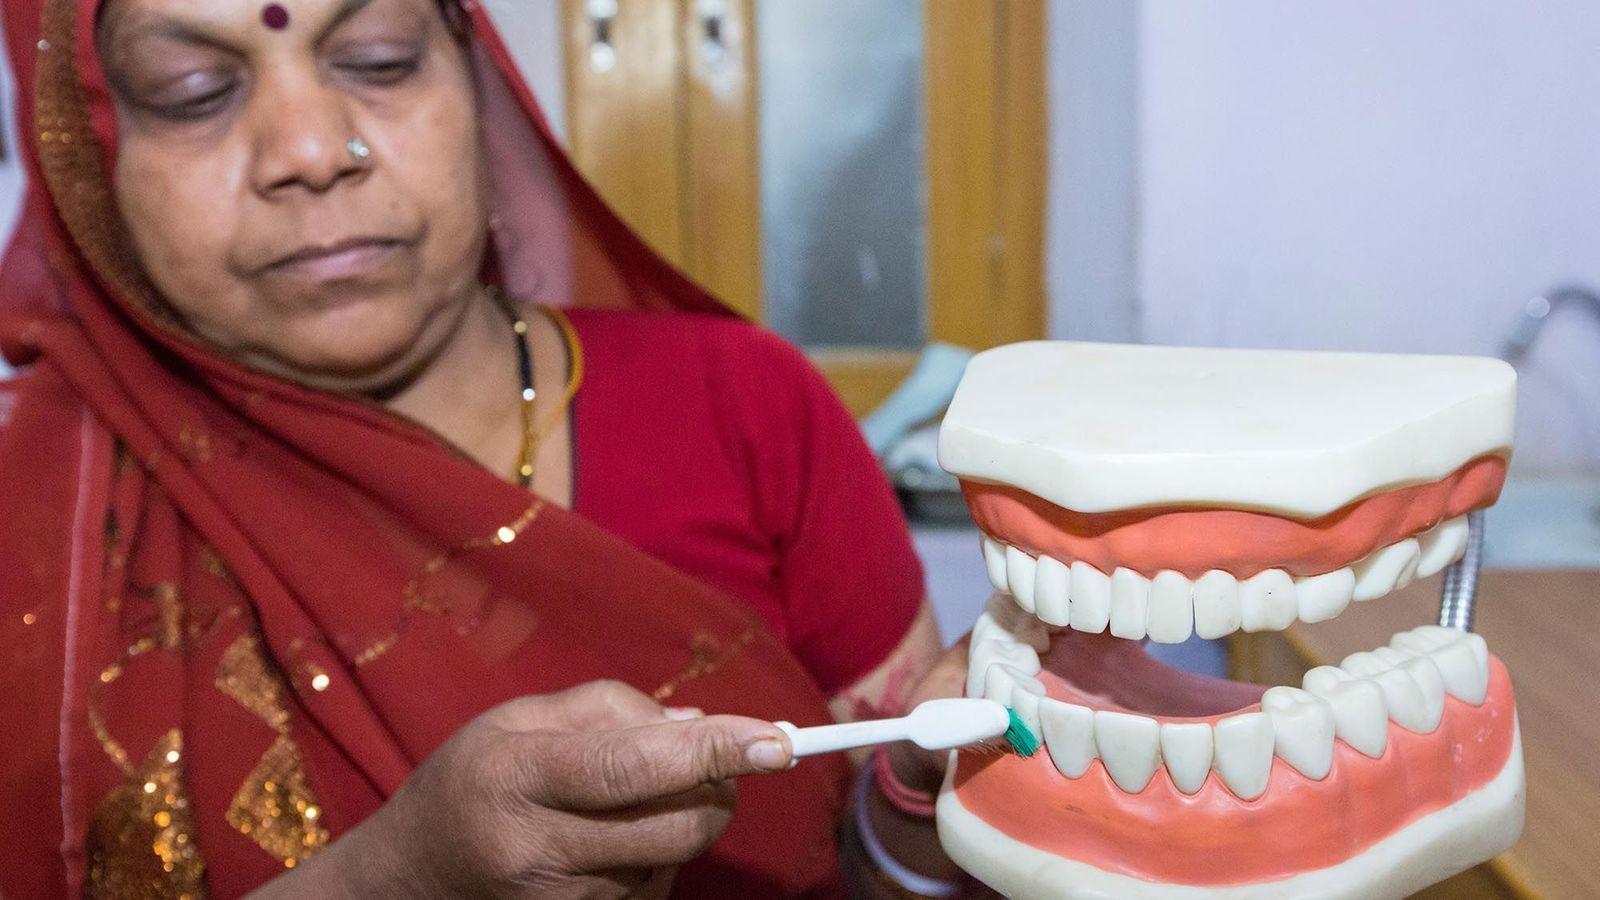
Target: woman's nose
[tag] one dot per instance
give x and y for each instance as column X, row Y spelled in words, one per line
column 303, row 138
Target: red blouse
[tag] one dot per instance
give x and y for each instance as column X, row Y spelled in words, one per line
column 716, row 446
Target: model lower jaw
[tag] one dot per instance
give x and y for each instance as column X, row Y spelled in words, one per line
column 1171, row 779
column 1428, row 848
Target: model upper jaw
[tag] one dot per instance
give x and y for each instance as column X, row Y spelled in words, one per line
column 1139, row 492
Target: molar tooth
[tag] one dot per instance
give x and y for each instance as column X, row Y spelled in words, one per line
column 1186, row 750
column 994, row 562
column 1303, row 726
column 1244, row 753
column 1364, row 664
column 1051, row 583
column 1463, row 678
column 1129, row 746
column 1216, row 604
column 1130, row 603
column 1404, row 699
column 1425, row 673
column 1068, row 731
column 1387, row 569
column 1267, row 601
column 1442, row 545
column 1004, row 620
column 1321, row 597
column 1019, row 575
column 984, row 655
column 1390, row 656
column 1360, row 717
column 1091, row 599
column 1170, row 618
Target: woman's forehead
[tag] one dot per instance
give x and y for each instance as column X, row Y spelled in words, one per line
column 237, row 19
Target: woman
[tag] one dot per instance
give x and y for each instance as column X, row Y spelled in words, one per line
column 315, row 521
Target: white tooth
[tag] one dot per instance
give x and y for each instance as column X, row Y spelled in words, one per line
column 1051, row 582
column 1442, row 545
column 1001, row 681
column 1129, row 746
column 1403, row 697
column 1025, row 695
column 1266, row 601
column 1068, row 731
column 1387, row 569
column 1019, row 575
column 1244, row 753
column 1130, row 603
column 1364, row 664
column 1303, row 727
column 1360, row 718
column 994, row 560
column 986, row 654
column 1458, row 666
column 1171, row 613
column 1186, row 750
column 1439, row 636
column 1390, row 656
column 1411, row 643
column 1216, row 604
column 1091, row 599
column 1425, row 673
column 1002, row 619
column 1321, row 597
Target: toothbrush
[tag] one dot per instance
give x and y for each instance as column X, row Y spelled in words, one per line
column 933, row 725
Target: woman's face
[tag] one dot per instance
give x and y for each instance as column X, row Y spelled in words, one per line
column 248, row 208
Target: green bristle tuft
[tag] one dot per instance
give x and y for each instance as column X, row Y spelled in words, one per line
column 1020, row 736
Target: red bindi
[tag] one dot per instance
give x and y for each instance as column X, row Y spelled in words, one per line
column 275, row 16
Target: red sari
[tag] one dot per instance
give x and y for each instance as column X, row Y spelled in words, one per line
column 236, row 613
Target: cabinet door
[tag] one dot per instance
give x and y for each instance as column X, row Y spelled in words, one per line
column 862, row 177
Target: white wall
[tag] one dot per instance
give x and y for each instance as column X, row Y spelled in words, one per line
column 1352, row 175
column 531, row 29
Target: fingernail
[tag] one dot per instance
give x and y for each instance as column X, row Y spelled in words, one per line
column 768, row 754
column 682, row 713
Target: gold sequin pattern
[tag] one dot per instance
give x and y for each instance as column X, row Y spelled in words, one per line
column 243, row 674
column 416, row 598
column 141, row 837
column 275, row 808
column 707, row 654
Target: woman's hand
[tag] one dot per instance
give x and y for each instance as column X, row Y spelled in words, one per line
column 596, row 791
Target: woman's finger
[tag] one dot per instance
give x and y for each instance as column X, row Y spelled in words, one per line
column 614, row 770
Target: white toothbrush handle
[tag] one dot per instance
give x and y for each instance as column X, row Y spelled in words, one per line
column 934, row 725
column 844, row 736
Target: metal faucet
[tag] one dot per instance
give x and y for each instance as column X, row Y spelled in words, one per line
column 1458, row 598
column 1538, row 309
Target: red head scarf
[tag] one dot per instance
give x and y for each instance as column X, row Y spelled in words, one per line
column 238, row 612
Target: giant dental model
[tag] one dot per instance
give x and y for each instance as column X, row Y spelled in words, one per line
column 1130, row 492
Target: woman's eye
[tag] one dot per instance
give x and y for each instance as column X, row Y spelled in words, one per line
column 198, row 102
column 381, row 70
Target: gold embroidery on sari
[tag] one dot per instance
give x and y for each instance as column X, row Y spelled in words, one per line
column 194, row 445
column 244, row 675
column 417, row 598
column 707, row 654
column 141, row 837
column 275, row 806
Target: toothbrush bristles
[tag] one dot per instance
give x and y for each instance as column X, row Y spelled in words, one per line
column 1019, row 736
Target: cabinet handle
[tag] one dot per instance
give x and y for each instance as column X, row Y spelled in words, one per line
column 602, row 52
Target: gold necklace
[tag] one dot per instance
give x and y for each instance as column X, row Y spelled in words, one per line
column 533, row 432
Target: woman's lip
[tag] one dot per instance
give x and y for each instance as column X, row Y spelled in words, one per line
column 347, row 259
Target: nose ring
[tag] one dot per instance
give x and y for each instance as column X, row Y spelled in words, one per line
column 358, row 148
